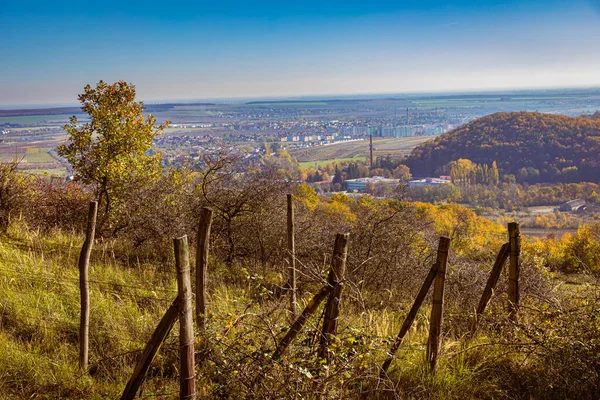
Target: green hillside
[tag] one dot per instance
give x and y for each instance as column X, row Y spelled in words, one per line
column 533, row 147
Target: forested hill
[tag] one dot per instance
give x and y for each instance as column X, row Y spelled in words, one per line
column 534, row 147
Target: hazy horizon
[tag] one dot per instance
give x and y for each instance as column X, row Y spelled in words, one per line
column 241, row 50
column 324, row 96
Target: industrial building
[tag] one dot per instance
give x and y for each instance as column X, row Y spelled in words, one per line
column 360, row 184
column 428, row 182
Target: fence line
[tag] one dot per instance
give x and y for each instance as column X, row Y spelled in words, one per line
column 182, row 308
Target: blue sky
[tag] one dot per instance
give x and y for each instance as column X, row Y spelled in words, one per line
column 225, row 49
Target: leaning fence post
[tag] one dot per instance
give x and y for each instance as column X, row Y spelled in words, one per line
column 202, row 250
column 437, row 308
column 513, row 272
column 291, row 255
column 335, row 280
column 84, row 287
column 295, row 329
column 158, row 337
column 299, row 323
column 491, row 283
column 187, row 386
column 409, row 319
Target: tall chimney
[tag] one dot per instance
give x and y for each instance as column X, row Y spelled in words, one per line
column 371, row 149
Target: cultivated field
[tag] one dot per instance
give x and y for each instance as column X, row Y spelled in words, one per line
column 358, row 150
column 31, row 148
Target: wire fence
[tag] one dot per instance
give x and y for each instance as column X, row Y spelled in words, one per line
column 265, row 325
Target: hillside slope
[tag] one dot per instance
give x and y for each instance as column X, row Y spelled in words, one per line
column 39, row 288
column 534, row 147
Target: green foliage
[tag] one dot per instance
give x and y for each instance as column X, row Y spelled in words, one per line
column 39, row 286
column 109, row 152
column 533, row 147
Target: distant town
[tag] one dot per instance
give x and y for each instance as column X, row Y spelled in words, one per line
column 314, row 131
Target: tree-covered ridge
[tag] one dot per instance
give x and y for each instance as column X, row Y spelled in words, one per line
column 533, row 147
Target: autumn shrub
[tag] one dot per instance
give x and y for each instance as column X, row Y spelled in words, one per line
column 572, row 253
column 582, row 250
column 550, row 353
column 567, row 363
column 15, row 193
column 249, row 205
column 58, row 204
column 155, row 213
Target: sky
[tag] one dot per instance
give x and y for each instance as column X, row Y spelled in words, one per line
column 242, row 49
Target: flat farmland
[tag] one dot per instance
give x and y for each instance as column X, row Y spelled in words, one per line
column 33, row 155
column 36, row 120
column 358, row 149
column 316, row 164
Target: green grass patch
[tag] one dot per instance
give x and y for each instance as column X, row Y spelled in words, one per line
column 35, row 119
column 59, row 171
column 39, row 326
column 41, row 157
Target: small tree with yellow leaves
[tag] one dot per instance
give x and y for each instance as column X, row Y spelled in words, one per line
column 110, row 151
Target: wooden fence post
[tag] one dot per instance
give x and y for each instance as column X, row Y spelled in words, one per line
column 335, row 280
column 513, row 272
column 491, row 283
column 409, row 319
column 437, row 308
column 295, row 329
column 84, row 287
column 202, row 249
column 299, row 323
column 158, row 337
column 291, row 255
column 187, row 387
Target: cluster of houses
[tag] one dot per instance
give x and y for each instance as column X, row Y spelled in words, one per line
column 309, row 138
column 361, row 184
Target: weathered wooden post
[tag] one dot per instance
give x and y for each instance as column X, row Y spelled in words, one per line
column 409, row 319
column 187, row 386
column 513, row 271
column 335, row 280
column 299, row 323
column 158, row 337
column 437, row 308
column 202, row 250
column 84, row 287
column 291, row 255
column 491, row 283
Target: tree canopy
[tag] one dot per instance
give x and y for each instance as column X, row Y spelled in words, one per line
column 110, row 151
column 533, row 147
